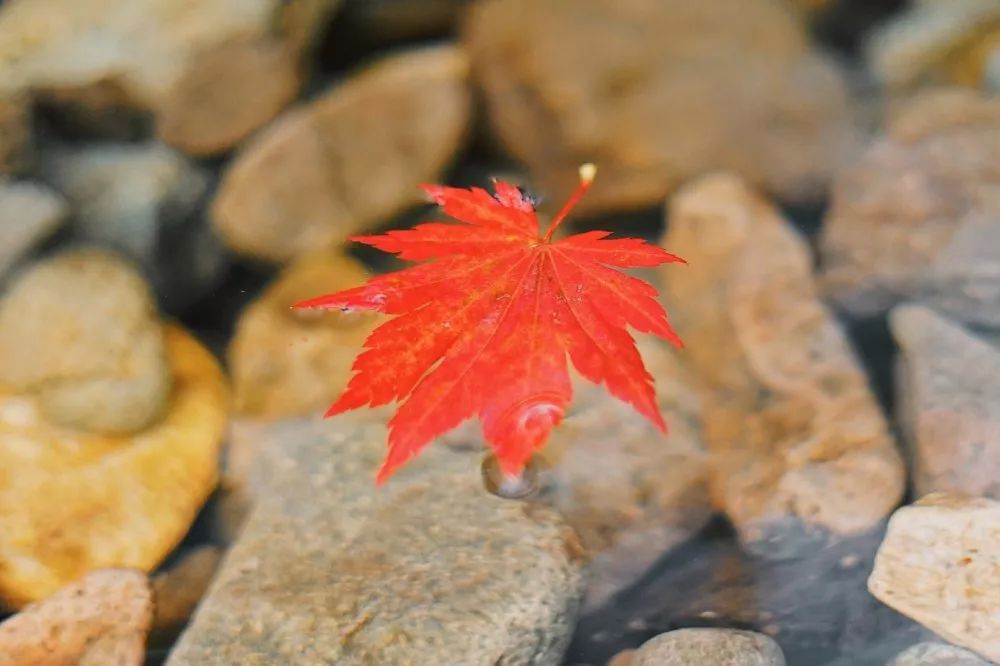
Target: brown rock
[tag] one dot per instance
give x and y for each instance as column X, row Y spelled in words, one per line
column 628, row 491
column 293, row 362
column 178, row 590
column 719, row 647
column 916, row 215
column 937, row 42
column 429, row 569
column 675, row 89
column 939, row 565
column 800, row 450
column 72, row 502
column 80, row 333
column 949, row 397
column 99, row 620
column 937, row 654
column 348, row 160
column 15, row 132
column 148, row 49
column 238, row 87
column 29, row 213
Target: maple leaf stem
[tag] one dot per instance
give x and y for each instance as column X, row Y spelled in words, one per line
column 587, row 173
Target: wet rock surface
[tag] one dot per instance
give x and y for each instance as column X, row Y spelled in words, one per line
column 677, row 89
column 101, row 619
column 800, row 451
column 427, row 569
column 938, row 565
column 949, row 387
column 349, row 159
column 916, row 217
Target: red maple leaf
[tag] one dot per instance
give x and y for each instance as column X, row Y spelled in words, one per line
column 485, row 328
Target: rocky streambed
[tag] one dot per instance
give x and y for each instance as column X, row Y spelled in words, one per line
column 175, row 175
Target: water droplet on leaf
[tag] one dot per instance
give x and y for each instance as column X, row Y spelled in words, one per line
column 507, row 486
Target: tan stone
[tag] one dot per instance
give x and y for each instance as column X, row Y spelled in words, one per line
column 236, row 88
column 428, row 569
column 939, row 565
column 294, row 362
column 99, row 620
column 80, row 333
column 102, row 54
column 656, row 93
column 949, row 399
column 724, row 647
column 918, row 215
column 799, row 448
column 349, row 159
column 72, row 502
